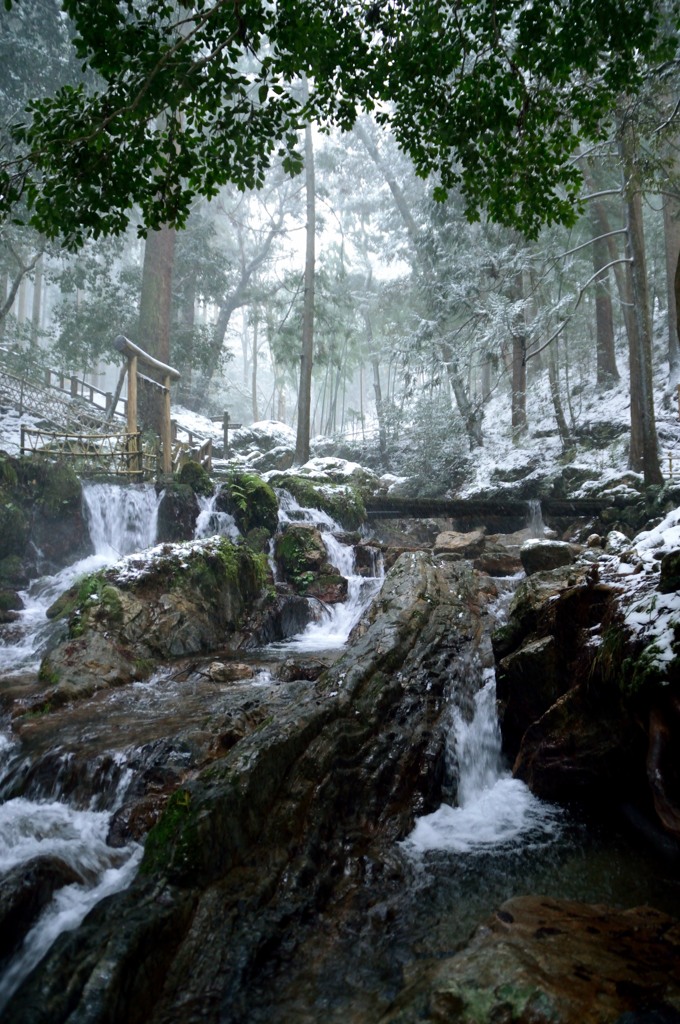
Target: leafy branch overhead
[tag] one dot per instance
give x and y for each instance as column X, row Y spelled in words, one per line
column 492, row 97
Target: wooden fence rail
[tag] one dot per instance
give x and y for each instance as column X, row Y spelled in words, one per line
column 115, row 454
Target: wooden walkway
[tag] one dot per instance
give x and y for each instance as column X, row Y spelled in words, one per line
column 485, row 510
column 90, row 427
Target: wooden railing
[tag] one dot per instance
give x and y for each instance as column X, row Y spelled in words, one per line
column 115, row 454
column 77, row 388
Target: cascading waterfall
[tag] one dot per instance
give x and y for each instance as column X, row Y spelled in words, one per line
column 34, row 832
column 493, row 809
column 338, row 620
column 211, row 521
column 535, row 523
column 121, row 520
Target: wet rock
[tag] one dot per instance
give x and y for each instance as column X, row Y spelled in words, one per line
column 79, row 666
column 544, row 555
column 24, row 891
column 284, row 616
column 554, row 962
column 367, row 559
column 180, row 600
column 300, row 555
column 272, row 832
column 530, row 680
column 251, row 501
column 42, row 525
column 460, row 545
column 177, row 514
column 497, row 559
column 582, row 748
column 328, row 587
column 230, row 671
column 10, row 604
column 663, row 769
column 307, row 671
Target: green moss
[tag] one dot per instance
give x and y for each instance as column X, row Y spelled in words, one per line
column 343, row 502
column 173, row 839
column 197, row 478
column 48, row 675
column 252, row 503
column 54, row 487
column 14, row 529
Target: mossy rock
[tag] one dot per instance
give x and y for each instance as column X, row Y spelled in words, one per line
column 301, row 555
column 342, row 502
column 14, row 530
column 197, row 479
column 251, row 501
column 670, row 572
column 54, row 487
column 177, row 513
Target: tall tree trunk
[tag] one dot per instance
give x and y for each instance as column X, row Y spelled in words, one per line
column 519, row 364
column 607, row 370
column 307, row 354
column 644, row 454
column 256, row 411
column 671, row 224
column 472, row 413
column 155, row 307
column 36, row 311
column 554, row 380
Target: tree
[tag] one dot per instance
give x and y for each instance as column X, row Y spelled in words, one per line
column 307, row 346
column 491, row 98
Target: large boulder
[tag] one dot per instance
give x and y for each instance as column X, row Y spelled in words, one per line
column 294, row 809
column 302, row 559
column 174, row 600
column 554, row 962
column 177, row 514
column 544, row 555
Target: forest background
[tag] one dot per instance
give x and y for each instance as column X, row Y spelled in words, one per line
column 368, row 220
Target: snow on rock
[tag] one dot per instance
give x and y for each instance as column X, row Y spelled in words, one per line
column 194, row 423
column 264, row 435
column 651, row 616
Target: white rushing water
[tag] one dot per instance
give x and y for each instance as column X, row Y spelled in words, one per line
column 493, row 809
column 337, row 621
column 121, row 520
column 212, row 522
column 31, row 832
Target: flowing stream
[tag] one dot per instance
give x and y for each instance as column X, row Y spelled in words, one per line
column 491, row 840
column 492, row 809
column 336, row 621
column 46, row 834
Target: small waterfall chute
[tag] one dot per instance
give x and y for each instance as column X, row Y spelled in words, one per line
column 493, row 809
column 121, row 519
column 332, row 629
column 212, row 522
column 30, row 831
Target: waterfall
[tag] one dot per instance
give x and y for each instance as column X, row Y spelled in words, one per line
column 211, row 522
column 535, row 523
column 493, row 809
column 55, row 832
column 338, row 620
column 122, row 519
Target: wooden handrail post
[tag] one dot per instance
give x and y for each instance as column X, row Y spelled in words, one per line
column 166, row 427
column 225, row 428
column 132, row 395
column 74, row 387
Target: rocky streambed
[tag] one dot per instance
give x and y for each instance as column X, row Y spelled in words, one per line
column 265, row 801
